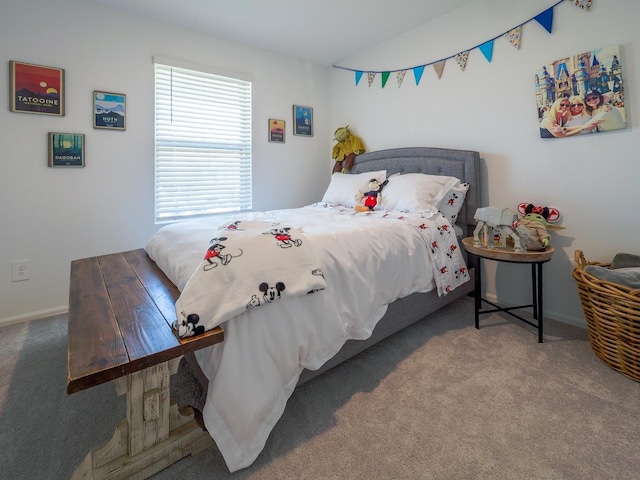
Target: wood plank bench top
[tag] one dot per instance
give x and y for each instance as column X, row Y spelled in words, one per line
column 121, row 307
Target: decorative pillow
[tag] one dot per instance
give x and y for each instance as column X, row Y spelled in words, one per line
column 344, row 187
column 416, row 192
column 452, row 201
column 623, row 260
column 629, row 276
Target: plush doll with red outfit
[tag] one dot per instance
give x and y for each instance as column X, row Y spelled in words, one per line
column 372, row 197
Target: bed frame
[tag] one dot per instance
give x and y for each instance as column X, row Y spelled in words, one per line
column 121, row 307
column 462, row 164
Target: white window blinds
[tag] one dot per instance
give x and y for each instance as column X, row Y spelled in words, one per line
column 202, row 143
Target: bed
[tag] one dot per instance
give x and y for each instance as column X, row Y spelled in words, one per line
column 123, row 307
column 258, row 383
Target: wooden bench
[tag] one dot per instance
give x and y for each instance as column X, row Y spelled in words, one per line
column 121, row 307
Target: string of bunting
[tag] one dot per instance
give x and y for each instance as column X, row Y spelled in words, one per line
column 514, row 35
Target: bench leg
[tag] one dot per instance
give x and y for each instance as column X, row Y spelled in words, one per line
column 154, row 435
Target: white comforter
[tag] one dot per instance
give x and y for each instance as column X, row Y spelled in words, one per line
column 368, row 260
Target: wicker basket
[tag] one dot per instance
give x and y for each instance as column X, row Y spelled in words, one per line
column 612, row 312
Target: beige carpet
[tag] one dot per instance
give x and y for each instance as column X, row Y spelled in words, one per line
column 439, row 400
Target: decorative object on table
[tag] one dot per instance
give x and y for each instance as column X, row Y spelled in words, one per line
column 502, row 220
column 538, row 220
column 303, row 121
column 276, row 130
column 66, row 149
column 109, row 110
column 612, row 312
column 344, row 152
column 370, row 198
column 36, row 89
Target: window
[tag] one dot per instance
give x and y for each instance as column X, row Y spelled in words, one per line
column 202, row 142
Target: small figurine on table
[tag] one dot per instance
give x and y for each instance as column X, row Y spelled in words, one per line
column 537, row 220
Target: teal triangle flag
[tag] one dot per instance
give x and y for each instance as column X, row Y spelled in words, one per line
column 487, row 50
column 545, row 19
column 358, row 77
column 417, row 72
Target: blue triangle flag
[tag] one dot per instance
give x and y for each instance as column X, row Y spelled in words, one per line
column 417, row 72
column 545, row 19
column 358, row 77
column 487, row 50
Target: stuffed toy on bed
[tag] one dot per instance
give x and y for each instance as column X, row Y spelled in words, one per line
column 372, row 197
column 345, row 151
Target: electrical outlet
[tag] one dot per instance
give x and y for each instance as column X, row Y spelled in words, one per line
column 21, row 270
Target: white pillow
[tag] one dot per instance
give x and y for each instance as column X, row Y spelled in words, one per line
column 452, row 201
column 343, row 188
column 416, row 192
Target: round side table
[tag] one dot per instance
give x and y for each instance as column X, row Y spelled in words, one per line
column 535, row 259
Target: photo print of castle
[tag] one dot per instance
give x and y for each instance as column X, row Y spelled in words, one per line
column 581, row 95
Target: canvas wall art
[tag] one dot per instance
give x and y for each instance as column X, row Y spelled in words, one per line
column 582, row 94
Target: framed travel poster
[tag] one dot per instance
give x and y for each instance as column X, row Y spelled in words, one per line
column 36, row 89
column 582, row 94
column 66, row 149
column 276, row 130
column 303, row 121
column 109, row 110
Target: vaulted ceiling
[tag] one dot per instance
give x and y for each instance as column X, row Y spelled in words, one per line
column 320, row 31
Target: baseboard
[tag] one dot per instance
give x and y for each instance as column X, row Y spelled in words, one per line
column 34, row 315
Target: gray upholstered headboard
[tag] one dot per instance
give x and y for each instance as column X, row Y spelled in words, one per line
column 462, row 164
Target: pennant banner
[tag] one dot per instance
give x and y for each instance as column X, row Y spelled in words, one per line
column 400, row 77
column 417, row 73
column 545, row 19
column 586, row 4
column 439, row 67
column 385, row 77
column 487, row 50
column 514, row 35
column 461, row 58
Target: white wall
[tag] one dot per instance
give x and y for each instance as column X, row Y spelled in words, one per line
column 52, row 215
column 490, row 107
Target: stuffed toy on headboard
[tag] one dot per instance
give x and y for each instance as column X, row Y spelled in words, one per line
column 345, row 151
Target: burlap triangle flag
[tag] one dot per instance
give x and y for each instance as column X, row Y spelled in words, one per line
column 439, row 67
column 371, row 77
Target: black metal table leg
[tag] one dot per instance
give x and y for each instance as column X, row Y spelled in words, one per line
column 478, row 290
column 539, row 302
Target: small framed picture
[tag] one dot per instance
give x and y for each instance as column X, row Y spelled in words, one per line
column 276, row 130
column 109, row 110
column 36, row 89
column 66, row 149
column 303, row 121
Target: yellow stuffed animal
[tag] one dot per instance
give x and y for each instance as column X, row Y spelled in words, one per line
column 345, row 151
